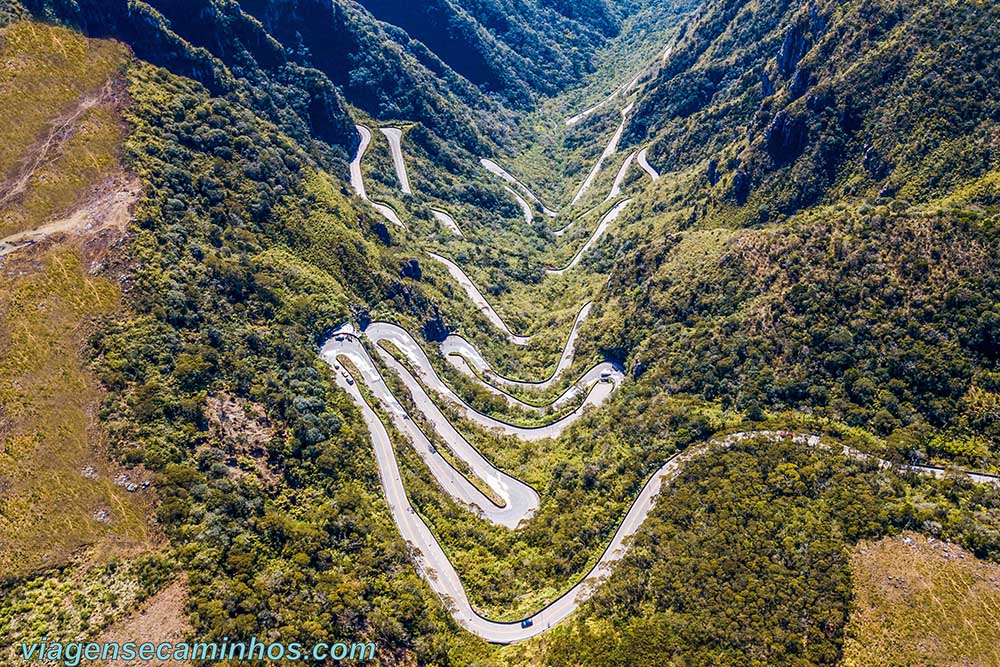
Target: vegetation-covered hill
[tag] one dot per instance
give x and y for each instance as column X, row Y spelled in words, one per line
column 296, row 61
column 240, row 254
column 513, row 47
column 784, row 105
column 885, row 319
column 825, row 239
column 817, row 255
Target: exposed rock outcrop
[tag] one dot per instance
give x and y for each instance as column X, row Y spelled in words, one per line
column 793, row 48
column 411, row 269
column 786, row 137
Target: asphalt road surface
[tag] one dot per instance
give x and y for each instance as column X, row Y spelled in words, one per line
column 643, row 161
column 602, row 227
column 466, row 357
column 395, row 135
column 494, row 168
column 358, row 181
column 498, row 496
column 477, row 298
column 448, row 222
column 609, row 150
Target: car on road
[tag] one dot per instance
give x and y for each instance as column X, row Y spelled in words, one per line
column 605, row 376
column 527, row 623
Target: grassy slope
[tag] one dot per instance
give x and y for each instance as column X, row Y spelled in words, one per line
column 922, row 602
column 48, row 402
column 48, row 398
column 80, row 601
column 64, row 573
column 49, row 80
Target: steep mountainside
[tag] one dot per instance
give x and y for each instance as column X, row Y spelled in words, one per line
column 784, row 105
column 202, row 317
column 296, row 61
column 858, row 141
column 733, row 314
column 512, row 47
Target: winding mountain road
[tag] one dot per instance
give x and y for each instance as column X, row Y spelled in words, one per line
column 519, row 500
column 494, row 168
column 643, row 161
column 616, row 187
column 466, row 357
column 609, row 150
column 577, row 118
column 512, row 501
column 624, row 88
column 431, row 560
column 529, row 216
column 448, row 222
column 358, row 181
column 395, row 136
column 477, row 298
column 602, row 227
column 599, row 387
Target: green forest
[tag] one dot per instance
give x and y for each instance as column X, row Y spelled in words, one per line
column 815, row 255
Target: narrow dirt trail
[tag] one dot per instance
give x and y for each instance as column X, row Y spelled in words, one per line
column 60, row 132
column 112, row 208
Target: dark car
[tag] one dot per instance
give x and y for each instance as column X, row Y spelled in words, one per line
column 527, row 623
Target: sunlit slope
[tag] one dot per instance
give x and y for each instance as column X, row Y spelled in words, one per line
column 828, row 169
column 60, row 161
column 922, row 602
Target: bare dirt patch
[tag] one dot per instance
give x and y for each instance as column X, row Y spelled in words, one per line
column 110, row 208
column 161, row 618
column 244, row 429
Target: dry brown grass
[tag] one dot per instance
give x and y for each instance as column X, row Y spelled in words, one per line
column 160, row 619
column 59, row 132
column 60, row 141
column 51, row 502
column 922, row 603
